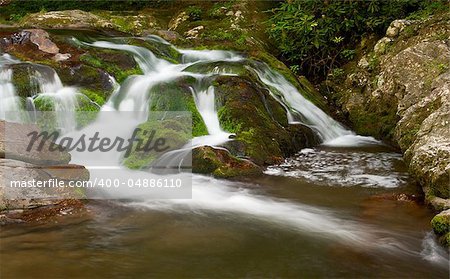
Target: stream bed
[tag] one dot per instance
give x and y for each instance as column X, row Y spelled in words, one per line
column 364, row 218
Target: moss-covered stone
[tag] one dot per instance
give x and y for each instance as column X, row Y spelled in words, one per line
column 86, row 76
column 116, row 63
column 175, row 131
column 160, row 50
column 220, row 163
column 441, row 226
column 258, row 121
column 177, row 96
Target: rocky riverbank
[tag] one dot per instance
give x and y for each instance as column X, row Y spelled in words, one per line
column 398, row 90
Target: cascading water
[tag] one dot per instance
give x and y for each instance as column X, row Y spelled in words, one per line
column 10, row 101
column 133, row 95
column 63, row 98
column 210, row 195
column 44, row 83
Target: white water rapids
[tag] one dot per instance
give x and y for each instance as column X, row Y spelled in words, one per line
column 208, row 194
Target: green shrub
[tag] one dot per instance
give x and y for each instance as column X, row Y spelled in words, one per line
column 319, row 35
column 194, row 13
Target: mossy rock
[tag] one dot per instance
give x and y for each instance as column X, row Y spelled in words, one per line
column 117, row 63
column 236, row 68
column 86, row 76
column 47, row 103
column 160, row 50
column 221, row 163
column 175, row 131
column 441, row 226
column 24, row 75
column 258, row 121
column 176, row 95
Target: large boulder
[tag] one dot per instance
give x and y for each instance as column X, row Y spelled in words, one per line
column 15, row 142
column 402, row 95
column 135, row 24
column 259, row 121
column 20, row 166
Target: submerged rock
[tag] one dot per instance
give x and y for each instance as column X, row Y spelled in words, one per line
column 221, row 163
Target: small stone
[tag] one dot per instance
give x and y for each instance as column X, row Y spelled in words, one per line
column 61, row 57
column 363, row 63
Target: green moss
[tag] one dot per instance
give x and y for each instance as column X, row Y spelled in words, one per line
column 259, row 122
column 99, row 61
column 221, row 163
column 44, row 103
column 176, row 96
column 176, row 131
column 441, row 224
column 96, row 96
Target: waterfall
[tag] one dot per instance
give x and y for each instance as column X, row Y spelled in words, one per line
column 64, row 98
column 10, row 102
column 205, row 102
column 325, row 126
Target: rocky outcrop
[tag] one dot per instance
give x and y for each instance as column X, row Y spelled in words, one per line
column 76, row 19
column 20, row 166
column 400, row 92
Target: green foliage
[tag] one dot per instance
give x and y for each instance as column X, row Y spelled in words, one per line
column 316, row 34
column 337, row 73
column 194, row 13
column 441, row 224
column 428, row 8
column 348, row 54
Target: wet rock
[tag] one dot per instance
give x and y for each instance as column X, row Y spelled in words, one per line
column 258, row 121
column 221, row 163
column 22, row 171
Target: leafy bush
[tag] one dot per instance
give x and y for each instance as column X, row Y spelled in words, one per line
column 317, row 34
column 195, row 13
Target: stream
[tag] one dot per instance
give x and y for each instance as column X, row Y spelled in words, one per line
column 345, row 208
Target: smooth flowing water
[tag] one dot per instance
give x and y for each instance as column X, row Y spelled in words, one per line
column 342, row 209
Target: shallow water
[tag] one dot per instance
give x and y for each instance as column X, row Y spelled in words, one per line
column 273, row 225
